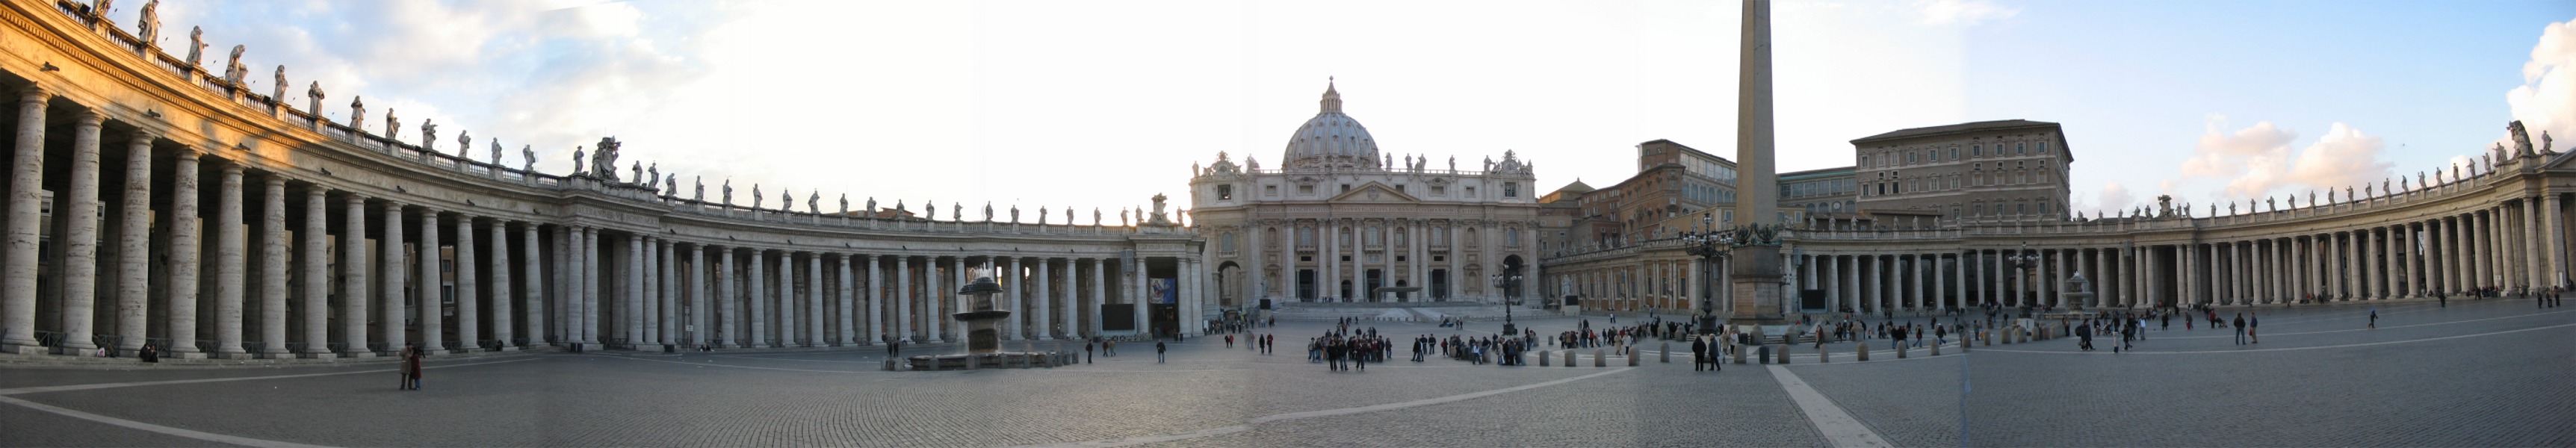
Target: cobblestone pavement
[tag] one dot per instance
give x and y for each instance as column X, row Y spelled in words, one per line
column 2477, row 373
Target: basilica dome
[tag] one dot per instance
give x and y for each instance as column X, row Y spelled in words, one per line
column 1331, row 139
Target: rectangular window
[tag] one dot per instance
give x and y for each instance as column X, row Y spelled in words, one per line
column 1224, row 192
column 1306, row 190
column 2019, row 149
column 2043, row 147
column 1270, row 190
column 1437, row 190
column 1511, row 189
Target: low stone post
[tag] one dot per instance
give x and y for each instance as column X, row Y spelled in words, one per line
column 1542, row 359
column 1863, row 351
column 1666, row 354
column 1936, row 349
column 1569, row 357
column 1901, row 348
column 1739, row 353
column 1784, row 353
column 1598, row 360
column 1824, row 356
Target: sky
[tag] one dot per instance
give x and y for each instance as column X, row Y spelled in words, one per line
column 1104, row 104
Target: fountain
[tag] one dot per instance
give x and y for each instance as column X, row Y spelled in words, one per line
column 984, row 338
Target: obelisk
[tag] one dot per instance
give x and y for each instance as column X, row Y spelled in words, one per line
column 1756, row 263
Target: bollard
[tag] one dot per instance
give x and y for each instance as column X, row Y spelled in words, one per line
column 1963, row 346
column 1936, row 349
column 889, row 364
column 1763, row 354
column 1666, row 355
column 1569, row 357
column 1822, row 355
column 1542, row 359
column 1989, row 339
column 970, row 362
column 1632, row 356
column 1901, row 348
column 1864, row 351
column 1739, row 353
column 1784, row 353
column 1597, row 360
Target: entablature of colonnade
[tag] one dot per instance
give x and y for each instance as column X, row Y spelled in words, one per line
column 185, row 106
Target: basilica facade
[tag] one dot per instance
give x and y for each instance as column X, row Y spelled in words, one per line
column 1339, row 221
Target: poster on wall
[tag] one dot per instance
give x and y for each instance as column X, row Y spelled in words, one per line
column 1166, row 290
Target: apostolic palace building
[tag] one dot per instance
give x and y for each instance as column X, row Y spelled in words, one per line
column 154, row 199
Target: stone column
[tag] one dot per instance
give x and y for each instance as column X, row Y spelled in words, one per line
column 26, row 197
column 396, row 264
column 79, row 236
column 468, row 321
column 814, row 299
column 354, row 266
column 1015, row 286
column 791, row 330
column 903, row 300
column 1875, row 297
column 134, row 245
column 501, row 297
column 849, row 315
column 567, row 301
column 758, row 281
column 534, row 284
column 272, row 264
column 960, row 274
column 432, row 301
column 1100, row 290
column 876, row 301
column 229, row 260
column 694, row 263
column 729, row 328
column 591, row 270
column 1136, row 294
column 631, row 310
column 644, row 283
column 317, row 273
column 2554, row 226
column 1045, row 284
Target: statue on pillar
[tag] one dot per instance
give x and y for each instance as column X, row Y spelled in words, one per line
column 671, row 184
column 2521, row 140
column 845, row 203
column 656, row 173
column 196, row 44
column 1042, row 216
column 872, row 206
column 2231, row 208
column 465, row 145
column 1015, row 213
column 393, row 126
column 2164, row 205
column 429, row 134
column 1122, row 217
column 496, row 151
column 1453, row 163
column 755, row 196
column 277, row 92
column 957, row 211
column 313, row 98
column 358, row 113
column 898, row 209
column 728, row 192
column 786, row 200
column 149, row 28
column 527, row 158
column 604, row 164
column 637, row 170
column 988, row 211
column 2544, row 144
column 930, row 210
column 1095, row 211
column 700, row 195
column 577, row 167
column 234, row 71
column 813, row 201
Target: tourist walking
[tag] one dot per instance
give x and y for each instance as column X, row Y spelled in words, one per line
column 2240, row 328
column 2374, row 318
column 410, row 367
column 1158, row 352
column 2251, row 336
column 1086, row 352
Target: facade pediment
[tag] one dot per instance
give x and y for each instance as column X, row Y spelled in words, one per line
column 1373, row 193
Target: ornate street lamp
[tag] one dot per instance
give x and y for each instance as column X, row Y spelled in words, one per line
column 1709, row 247
column 1508, row 282
column 2023, row 260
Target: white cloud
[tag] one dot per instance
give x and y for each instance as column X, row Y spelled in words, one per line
column 1963, row 12
column 2546, row 102
column 2115, row 198
column 2258, row 161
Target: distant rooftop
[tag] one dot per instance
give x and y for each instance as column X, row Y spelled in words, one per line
column 1954, row 128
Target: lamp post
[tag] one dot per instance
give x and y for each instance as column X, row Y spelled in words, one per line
column 1508, row 282
column 1709, row 247
column 2023, row 260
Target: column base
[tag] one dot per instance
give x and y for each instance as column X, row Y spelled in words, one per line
column 188, row 355
column 241, row 355
column 467, row 350
column 506, row 348
column 320, row 356
column 273, row 352
column 22, row 349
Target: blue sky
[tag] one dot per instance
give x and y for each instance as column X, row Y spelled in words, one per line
column 1103, row 104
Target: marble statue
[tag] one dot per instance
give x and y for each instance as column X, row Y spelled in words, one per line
column 234, row 71
column 813, row 201
column 1453, row 163
column 671, row 184
column 2273, row 202
column 577, row 166
column 2521, row 139
column 604, row 164
column 755, row 196
column 1388, row 161
column 313, row 98
column 2544, row 144
column 957, row 211
column 393, row 126
column 277, row 92
column 1095, row 211
column 1158, row 207
column 465, row 145
column 898, row 208
column 988, row 211
column 1195, row 171
column 1122, row 217
column 429, row 134
column 101, row 8
column 496, row 151
column 930, row 210
column 149, row 27
column 1489, row 163
column 2419, row 178
column 196, row 44
column 872, row 206
column 638, row 169
column 2164, row 204
column 2231, row 208
column 2347, row 195
column 1042, row 215
column 845, row 203
column 700, row 184
column 1068, row 215
column 527, row 157
column 656, row 173
column 358, row 113
column 786, row 200
column 1015, row 214
column 728, row 192
column 1250, row 163
column 2366, row 191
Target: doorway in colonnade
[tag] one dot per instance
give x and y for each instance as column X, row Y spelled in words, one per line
column 1231, row 286
column 1439, row 285
column 1305, row 285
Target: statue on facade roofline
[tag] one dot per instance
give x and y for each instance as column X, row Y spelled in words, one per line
column 656, row 173
column 872, row 206
column 638, row 169
column 277, row 93
column 358, row 113
column 755, row 196
column 233, row 71
column 988, row 211
column 577, row 167
column 1015, row 213
column 1095, row 211
column 527, row 158
column 604, row 162
column 845, row 203
column 149, row 27
column 1122, row 217
column 813, row 201
column 1068, row 215
column 728, row 192
column 930, row 210
column 701, row 194
column 196, row 44
column 429, row 134
column 465, row 145
column 786, row 200
column 671, row 184
column 313, row 98
column 1042, row 216
column 898, row 208
column 957, row 211
column 1453, row 163
column 393, row 126
column 496, row 152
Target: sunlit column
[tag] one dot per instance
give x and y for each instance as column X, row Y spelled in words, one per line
column 26, row 197
column 317, row 272
column 469, row 321
column 272, row 267
column 134, row 245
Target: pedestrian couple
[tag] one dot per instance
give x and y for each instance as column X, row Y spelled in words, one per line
column 410, row 367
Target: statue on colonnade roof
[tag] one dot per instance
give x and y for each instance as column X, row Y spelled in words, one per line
column 604, row 163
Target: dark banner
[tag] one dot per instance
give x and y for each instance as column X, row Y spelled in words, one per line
column 1117, row 317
